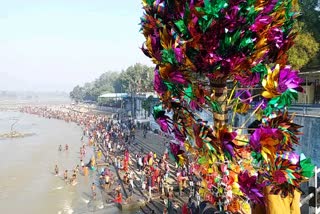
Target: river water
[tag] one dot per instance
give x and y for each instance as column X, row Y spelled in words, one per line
column 27, row 182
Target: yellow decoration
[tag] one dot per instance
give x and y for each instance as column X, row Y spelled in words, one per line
column 270, row 83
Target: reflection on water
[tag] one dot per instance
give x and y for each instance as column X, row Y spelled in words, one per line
column 27, row 182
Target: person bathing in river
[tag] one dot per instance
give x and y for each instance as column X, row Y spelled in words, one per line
column 73, row 179
column 82, row 164
column 81, row 152
column 74, row 175
column 56, row 170
column 77, row 169
column 93, row 190
column 65, row 175
column 66, row 147
column 60, row 148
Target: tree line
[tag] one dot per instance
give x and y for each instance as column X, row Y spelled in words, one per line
column 305, row 53
column 135, row 79
column 139, row 78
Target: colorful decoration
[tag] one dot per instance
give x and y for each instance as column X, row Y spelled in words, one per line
column 198, row 47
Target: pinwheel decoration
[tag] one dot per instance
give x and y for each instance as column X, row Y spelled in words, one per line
column 198, row 48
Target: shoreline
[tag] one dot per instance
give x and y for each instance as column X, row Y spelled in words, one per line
column 156, row 203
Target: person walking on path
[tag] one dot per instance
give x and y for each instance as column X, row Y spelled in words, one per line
column 161, row 184
column 107, row 181
column 118, row 198
column 180, row 179
column 140, row 163
column 130, row 190
column 126, row 160
column 149, row 184
column 131, row 178
column 99, row 154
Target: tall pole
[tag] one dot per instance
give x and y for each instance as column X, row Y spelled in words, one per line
column 220, row 93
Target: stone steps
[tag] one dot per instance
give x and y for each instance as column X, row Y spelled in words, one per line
column 152, row 143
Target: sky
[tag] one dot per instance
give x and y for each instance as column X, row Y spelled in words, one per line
column 54, row 45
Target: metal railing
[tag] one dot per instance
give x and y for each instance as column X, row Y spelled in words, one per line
column 314, row 190
column 312, row 110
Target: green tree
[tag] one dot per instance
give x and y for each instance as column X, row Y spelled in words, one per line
column 105, row 83
column 89, row 92
column 117, row 84
column 147, row 105
column 305, row 48
column 137, row 78
column 310, row 17
column 305, row 53
column 77, row 93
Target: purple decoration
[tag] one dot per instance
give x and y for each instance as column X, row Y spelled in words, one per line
column 194, row 105
column 255, row 140
column 269, row 7
column 179, row 54
column 178, row 77
column 163, row 122
column 249, row 185
column 178, row 135
column 244, row 96
column 276, row 36
column 263, row 133
column 250, row 79
column 261, row 22
column 279, row 176
column 261, row 104
column 289, row 79
column 226, row 139
column 159, row 86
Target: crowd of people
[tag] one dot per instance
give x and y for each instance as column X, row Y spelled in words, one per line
column 153, row 173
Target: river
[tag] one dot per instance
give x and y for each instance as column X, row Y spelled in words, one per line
column 27, row 182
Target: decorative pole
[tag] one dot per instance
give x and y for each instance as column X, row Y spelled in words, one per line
column 220, row 95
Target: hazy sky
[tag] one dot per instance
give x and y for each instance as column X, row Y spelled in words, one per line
column 49, row 45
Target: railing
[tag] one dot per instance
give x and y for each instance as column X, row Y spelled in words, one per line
column 314, row 190
column 312, row 110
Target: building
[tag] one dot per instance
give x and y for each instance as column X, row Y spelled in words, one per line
column 311, row 87
column 131, row 104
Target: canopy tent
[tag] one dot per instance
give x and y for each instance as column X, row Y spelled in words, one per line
column 114, row 95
